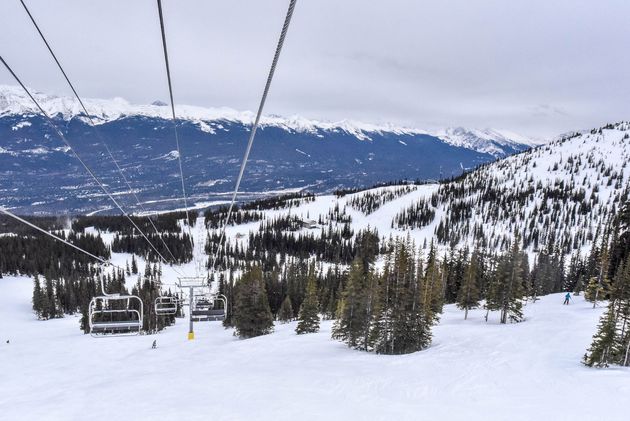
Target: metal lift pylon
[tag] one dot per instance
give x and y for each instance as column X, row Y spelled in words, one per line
column 193, row 284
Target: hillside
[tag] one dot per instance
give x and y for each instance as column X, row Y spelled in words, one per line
column 556, row 197
column 289, row 153
column 474, row 370
column 562, row 190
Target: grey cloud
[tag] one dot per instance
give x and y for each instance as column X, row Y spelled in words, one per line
column 537, row 67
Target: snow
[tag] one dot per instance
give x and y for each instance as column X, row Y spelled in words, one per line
column 14, row 101
column 483, row 140
column 36, row 151
column 170, row 156
column 473, row 370
column 8, row 152
column 212, row 183
column 20, row 125
column 205, row 127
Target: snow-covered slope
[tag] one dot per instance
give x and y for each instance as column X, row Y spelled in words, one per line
column 474, row 370
column 559, row 192
column 558, row 195
column 14, row 101
column 491, row 141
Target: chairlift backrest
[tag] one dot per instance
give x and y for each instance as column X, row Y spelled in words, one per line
column 115, row 315
column 165, row 306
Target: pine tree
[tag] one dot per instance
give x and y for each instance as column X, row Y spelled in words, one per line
column 493, row 289
column 353, row 322
column 308, row 317
column 468, row 295
column 599, row 354
column 50, row 301
column 510, row 272
column 134, row 265
column 598, row 286
column 252, row 315
column 400, row 323
column 433, row 291
column 37, row 297
column 611, row 343
column 330, row 307
column 285, row 314
column 596, row 289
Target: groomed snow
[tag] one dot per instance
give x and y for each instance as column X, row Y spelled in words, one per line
column 473, row 371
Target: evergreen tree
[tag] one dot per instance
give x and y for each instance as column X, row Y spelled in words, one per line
column 329, row 309
column 38, row 299
column 285, row 314
column 353, row 320
column 598, row 285
column 598, row 354
column 252, row 315
column 134, row 265
column 468, row 296
column 493, row 289
column 596, row 289
column 433, row 291
column 308, row 317
column 611, row 343
column 510, row 273
column 400, row 323
column 50, row 311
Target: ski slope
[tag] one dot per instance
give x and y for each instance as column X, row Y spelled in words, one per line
column 473, row 370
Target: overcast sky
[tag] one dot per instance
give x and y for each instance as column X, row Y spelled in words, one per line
column 536, row 67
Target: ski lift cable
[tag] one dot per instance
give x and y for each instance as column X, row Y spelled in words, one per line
column 252, row 135
column 87, row 168
column 174, row 117
column 94, row 127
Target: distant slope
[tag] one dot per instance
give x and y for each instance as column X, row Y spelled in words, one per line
column 557, row 195
column 40, row 176
column 554, row 195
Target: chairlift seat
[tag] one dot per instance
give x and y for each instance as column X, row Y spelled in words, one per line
column 165, row 306
column 99, row 312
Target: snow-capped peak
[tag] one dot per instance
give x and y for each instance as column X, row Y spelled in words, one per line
column 492, row 141
column 14, row 101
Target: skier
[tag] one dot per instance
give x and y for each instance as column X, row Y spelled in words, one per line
column 567, row 298
column 154, row 344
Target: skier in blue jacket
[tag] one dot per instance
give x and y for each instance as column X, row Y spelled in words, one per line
column 567, row 298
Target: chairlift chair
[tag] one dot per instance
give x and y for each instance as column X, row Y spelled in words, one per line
column 206, row 308
column 165, row 305
column 114, row 315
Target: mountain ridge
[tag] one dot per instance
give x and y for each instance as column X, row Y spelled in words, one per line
column 14, row 101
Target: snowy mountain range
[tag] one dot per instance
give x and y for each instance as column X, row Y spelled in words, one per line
column 14, row 101
column 290, row 153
